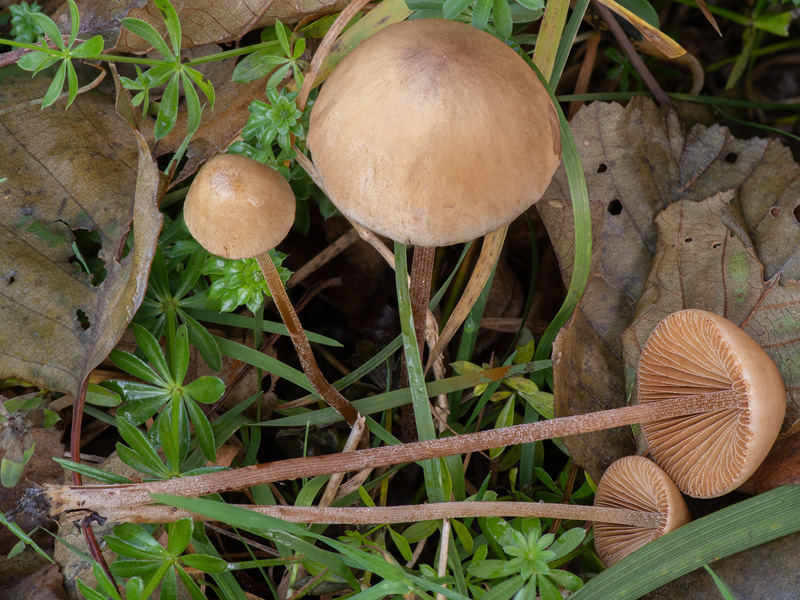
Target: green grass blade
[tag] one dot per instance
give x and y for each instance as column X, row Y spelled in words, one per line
column 432, row 469
column 263, row 361
column 212, row 316
column 395, row 398
column 744, row 525
column 567, row 39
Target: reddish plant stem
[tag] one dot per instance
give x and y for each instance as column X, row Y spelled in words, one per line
column 300, row 341
column 98, row 498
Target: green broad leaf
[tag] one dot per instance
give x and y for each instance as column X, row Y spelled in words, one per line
column 565, row 579
column 536, row 5
column 103, row 582
column 452, row 8
column 149, row 34
column 744, row 525
column 194, row 591
column 57, row 84
column 299, row 49
column 91, row 47
column 139, row 444
column 567, row 542
column 179, row 536
column 206, row 389
column 419, row 531
column 203, row 83
column 775, row 23
column 257, row 65
column 93, row 472
column 481, row 12
column 136, row 367
column 74, row 22
column 132, row 459
column 168, row 111
column 72, row 83
column 134, row 568
column 547, row 590
column 139, row 410
column 91, row 594
column 36, row 61
column 132, row 550
column 504, row 419
column 139, row 537
column 50, row 29
column 488, row 569
column 506, row 589
column 284, row 36
column 149, row 345
column 201, row 339
column 178, row 355
column 402, row 545
column 202, row 430
column 134, row 588
column 193, row 108
column 16, row 549
column 463, row 534
column 172, row 22
column 11, row 471
column 100, row 396
column 365, row 497
column 502, row 18
column 169, row 585
column 205, row 563
column 277, row 76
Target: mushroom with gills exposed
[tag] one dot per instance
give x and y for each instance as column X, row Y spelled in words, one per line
column 237, row 207
column 432, row 133
column 712, row 399
column 638, row 484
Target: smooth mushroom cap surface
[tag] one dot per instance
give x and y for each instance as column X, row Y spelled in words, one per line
column 238, row 207
column 636, row 483
column 695, row 352
column 432, row 132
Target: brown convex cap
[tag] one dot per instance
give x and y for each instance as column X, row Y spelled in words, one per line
column 432, row 132
column 697, row 352
column 636, row 483
column 238, row 207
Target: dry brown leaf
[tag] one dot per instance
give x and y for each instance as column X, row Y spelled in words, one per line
column 203, row 21
column 638, row 161
column 81, row 168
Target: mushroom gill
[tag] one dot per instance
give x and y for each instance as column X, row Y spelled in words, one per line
column 697, row 352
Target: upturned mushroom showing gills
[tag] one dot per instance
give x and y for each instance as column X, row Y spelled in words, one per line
column 637, row 484
column 237, row 208
column 432, row 132
column 695, row 352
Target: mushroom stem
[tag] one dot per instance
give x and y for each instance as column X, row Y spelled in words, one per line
column 396, row 514
column 300, row 341
column 97, row 498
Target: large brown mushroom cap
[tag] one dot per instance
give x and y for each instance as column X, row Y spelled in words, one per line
column 636, row 483
column 432, row 132
column 238, row 207
column 696, row 352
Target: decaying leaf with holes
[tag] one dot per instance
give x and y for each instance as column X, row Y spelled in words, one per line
column 681, row 219
column 80, row 175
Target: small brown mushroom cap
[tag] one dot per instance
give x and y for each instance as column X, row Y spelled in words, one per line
column 432, row 132
column 238, row 207
column 696, row 352
column 636, row 483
